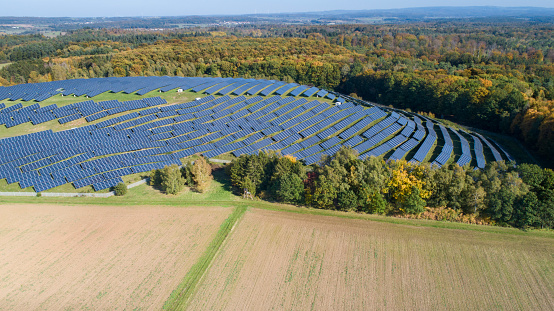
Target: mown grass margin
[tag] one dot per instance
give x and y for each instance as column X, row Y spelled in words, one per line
column 180, row 296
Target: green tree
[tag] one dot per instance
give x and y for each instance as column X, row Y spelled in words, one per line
column 378, row 203
column 525, row 211
column 156, row 178
column 172, row 182
column 546, row 210
column 325, row 193
column 186, row 172
column 414, row 204
column 347, row 200
column 288, row 188
column 120, row 189
column 371, row 200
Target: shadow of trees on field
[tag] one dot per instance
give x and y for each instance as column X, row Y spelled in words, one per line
column 221, row 176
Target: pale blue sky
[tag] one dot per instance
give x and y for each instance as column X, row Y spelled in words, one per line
column 109, row 8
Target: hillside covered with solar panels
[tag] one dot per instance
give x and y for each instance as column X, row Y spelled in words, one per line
column 75, row 136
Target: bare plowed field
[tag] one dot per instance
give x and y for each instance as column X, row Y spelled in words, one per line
column 98, row 257
column 285, row 261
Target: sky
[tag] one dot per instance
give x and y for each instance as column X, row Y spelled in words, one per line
column 110, row 8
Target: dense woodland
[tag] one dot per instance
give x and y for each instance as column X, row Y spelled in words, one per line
column 503, row 194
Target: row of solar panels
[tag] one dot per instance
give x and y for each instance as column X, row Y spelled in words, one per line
column 18, row 114
column 142, row 85
column 447, row 148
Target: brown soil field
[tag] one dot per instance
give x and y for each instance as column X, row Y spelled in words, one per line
column 99, row 257
column 286, row 261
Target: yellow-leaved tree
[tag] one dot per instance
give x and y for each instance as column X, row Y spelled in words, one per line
column 202, row 174
column 406, row 188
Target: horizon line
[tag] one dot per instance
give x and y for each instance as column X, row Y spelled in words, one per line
column 283, row 13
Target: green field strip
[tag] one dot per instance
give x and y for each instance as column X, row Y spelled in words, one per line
column 180, row 296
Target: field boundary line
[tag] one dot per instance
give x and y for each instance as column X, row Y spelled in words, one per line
column 212, row 261
column 184, row 291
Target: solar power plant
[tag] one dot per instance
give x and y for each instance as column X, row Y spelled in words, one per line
column 230, row 116
column 447, row 149
column 310, row 92
column 286, row 88
column 465, row 157
column 479, row 154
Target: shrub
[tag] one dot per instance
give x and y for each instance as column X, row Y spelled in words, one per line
column 120, row 189
column 186, row 172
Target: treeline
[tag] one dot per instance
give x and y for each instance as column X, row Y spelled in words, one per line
column 457, row 42
column 83, row 42
column 503, row 194
column 301, row 60
column 493, row 102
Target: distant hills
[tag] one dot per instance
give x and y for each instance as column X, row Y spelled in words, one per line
column 380, row 16
column 437, row 12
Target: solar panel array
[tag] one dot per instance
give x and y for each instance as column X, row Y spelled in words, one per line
column 447, row 149
column 479, row 154
column 465, row 157
column 142, row 85
column 427, row 144
column 495, row 153
column 150, row 134
column 91, row 111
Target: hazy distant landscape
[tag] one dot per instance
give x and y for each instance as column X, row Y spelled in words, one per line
column 25, row 25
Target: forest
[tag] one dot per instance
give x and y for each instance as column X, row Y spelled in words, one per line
column 496, row 76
